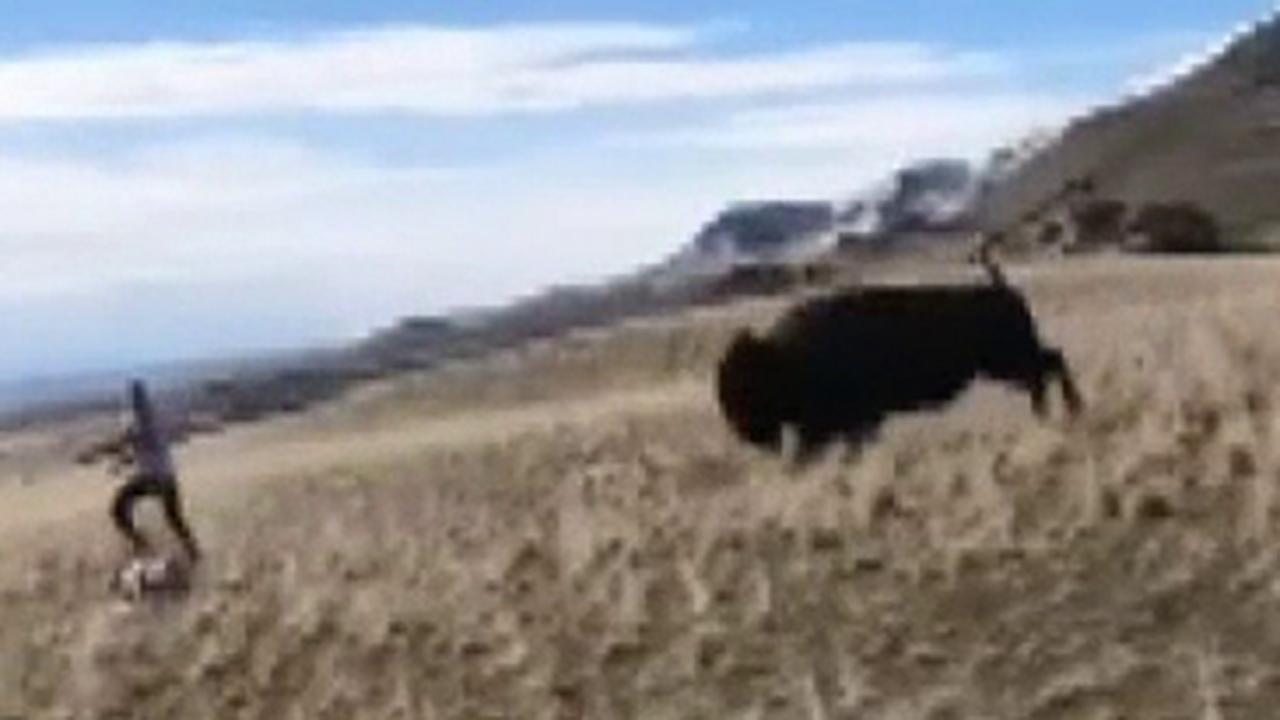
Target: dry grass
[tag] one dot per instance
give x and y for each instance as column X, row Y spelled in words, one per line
column 569, row 532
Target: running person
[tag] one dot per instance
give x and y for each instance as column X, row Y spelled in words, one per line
column 147, row 450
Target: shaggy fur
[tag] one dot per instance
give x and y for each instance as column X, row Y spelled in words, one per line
column 836, row 366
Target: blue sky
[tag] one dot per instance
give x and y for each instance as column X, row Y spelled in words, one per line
column 190, row 179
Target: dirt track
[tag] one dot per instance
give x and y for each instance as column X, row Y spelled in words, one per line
column 570, row 532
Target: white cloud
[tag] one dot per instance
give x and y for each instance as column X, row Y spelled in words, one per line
column 442, row 71
column 226, row 208
column 316, row 241
column 214, row 209
column 898, row 126
column 365, row 240
column 220, row 245
column 124, row 251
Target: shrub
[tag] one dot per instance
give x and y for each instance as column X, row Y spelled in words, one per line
column 1176, row 227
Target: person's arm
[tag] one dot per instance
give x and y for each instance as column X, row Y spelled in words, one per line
column 117, row 449
column 179, row 428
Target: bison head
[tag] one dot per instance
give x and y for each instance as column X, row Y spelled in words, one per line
column 748, row 390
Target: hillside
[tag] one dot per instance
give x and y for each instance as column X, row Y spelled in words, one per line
column 537, row 511
column 1207, row 141
column 749, row 249
column 1210, row 138
column 568, row 530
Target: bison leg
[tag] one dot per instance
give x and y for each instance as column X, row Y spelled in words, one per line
column 858, row 438
column 1056, row 366
column 1070, row 392
column 1036, row 386
column 810, row 441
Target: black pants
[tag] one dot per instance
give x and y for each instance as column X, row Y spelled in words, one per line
column 164, row 488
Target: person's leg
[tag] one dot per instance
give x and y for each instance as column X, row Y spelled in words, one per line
column 122, row 513
column 177, row 521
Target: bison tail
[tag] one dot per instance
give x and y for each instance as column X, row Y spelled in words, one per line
column 994, row 271
column 982, row 255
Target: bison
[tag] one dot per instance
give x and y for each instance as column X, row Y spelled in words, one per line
column 835, row 367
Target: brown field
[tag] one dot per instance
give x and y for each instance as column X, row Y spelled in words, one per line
column 570, row 532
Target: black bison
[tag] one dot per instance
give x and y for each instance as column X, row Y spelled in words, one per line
column 835, row 367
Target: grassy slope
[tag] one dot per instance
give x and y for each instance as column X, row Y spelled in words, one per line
column 570, row 532
column 1209, row 139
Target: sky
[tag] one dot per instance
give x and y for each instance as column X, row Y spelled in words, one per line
column 184, row 180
